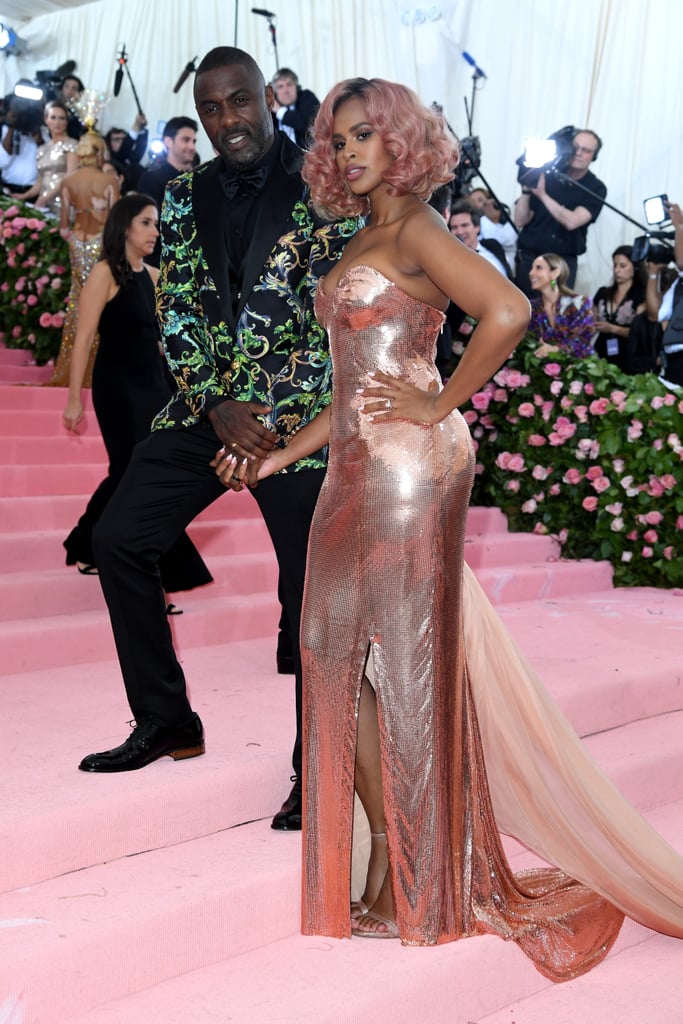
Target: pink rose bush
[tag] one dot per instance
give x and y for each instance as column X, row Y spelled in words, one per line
column 607, row 450
column 34, row 262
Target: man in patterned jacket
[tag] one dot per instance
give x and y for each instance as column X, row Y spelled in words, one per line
column 241, row 256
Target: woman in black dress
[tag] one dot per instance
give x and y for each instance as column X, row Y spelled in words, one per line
column 130, row 380
column 616, row 306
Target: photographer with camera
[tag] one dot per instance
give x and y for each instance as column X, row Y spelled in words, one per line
column 20, row 138
column 670, row 308
column 553, row 215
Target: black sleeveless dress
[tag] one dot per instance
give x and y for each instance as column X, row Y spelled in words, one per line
column 131, row 383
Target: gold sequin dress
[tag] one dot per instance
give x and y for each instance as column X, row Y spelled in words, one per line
column 471, row 743
column 51, row 163
column 83, row 255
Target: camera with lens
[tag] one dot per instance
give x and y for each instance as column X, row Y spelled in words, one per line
column 644, row 248
column 541, row 156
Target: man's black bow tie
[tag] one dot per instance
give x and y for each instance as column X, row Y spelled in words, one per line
column 250, row 181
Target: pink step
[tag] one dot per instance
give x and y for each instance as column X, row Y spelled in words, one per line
column 641, row 984
column 37, row 397
column 24, row 374
column 196, row 907
column 40, row 423
column 58, row 447
column 15, row 356
column 40, row 512
column 211, row 616
column 510, row 583
column 43, row 549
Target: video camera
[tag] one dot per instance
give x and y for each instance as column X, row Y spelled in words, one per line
column 542, row 156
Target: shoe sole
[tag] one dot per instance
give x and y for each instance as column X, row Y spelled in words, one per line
column 178, row 755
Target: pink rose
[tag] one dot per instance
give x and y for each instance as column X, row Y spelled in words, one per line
column 541, row 472
column 56, row 283
column 657, row 402
column 615, row 509
column 556, row 439
column 45, row 320
column 546, row 410
column 566, row 402
column 679, row 523
column 516, row 463
column 540, row 528
column 590, row 504
column 19, row 223
column 601, row 484
column 581, row 413
column 526, row 409
column 470, row 417
column 633, row 535
column 529, row 506
column 552, row 369
column 668, row 481
column 512, row 485
column 16, row 331
column 647, row 552
column 618, row 465
column 4, row 287
column 651, row 536
column 617, row 524
column 555, row 387
column 626, row 556
column 668, row 553
column 554, row 490
column 573, row 476
column 58, row 319
column 562, row 536
column 635, row 430
column 576, row 387
column 598, row 407
column 480, row 401
column 654, row 488
column 589, row 389
column 536, row 440
column 32, row 300
column 653, row 518
column 500, row 395
column 593, row 473
column 618, row 397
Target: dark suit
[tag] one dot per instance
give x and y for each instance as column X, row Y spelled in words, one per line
column 301, row 118
column 498, row 251
column 152, row 182
column 217, row 352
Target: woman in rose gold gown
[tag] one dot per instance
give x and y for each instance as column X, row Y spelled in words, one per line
column 464, row 741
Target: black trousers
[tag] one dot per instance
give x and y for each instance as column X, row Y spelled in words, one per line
column 168, row 482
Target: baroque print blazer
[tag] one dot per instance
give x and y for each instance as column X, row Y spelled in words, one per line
column 273, row 351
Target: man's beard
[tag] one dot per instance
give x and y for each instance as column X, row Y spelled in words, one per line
column 258, row 142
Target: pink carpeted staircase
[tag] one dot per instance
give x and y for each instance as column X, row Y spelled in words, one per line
column 163, row 895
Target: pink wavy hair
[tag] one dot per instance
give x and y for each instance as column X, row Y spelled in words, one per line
column 424, row 153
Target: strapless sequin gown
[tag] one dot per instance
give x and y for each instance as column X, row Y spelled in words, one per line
column 471, row 743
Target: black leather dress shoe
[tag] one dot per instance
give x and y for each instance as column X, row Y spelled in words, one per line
column 146, row 743
column 288, row 818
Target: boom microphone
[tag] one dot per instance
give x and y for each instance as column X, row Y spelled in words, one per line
column 185, row 74
column 260, row 10
column 478, row 73
column 118, row 77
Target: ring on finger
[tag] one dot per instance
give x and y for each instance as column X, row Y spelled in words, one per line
column 389, row 403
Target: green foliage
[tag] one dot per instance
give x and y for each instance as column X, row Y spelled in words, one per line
column 578, row 450
column 34, row 271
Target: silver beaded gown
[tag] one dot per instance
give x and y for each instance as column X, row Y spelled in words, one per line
column 471, row 743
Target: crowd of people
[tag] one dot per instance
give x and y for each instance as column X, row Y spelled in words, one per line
column 408, row 690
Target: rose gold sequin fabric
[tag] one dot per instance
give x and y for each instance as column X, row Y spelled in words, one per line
column 386, row 573
column 82, row 256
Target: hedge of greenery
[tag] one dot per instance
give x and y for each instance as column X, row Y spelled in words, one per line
column 576, row 449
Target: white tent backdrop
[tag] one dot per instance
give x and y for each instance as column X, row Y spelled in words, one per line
column 611, row 65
